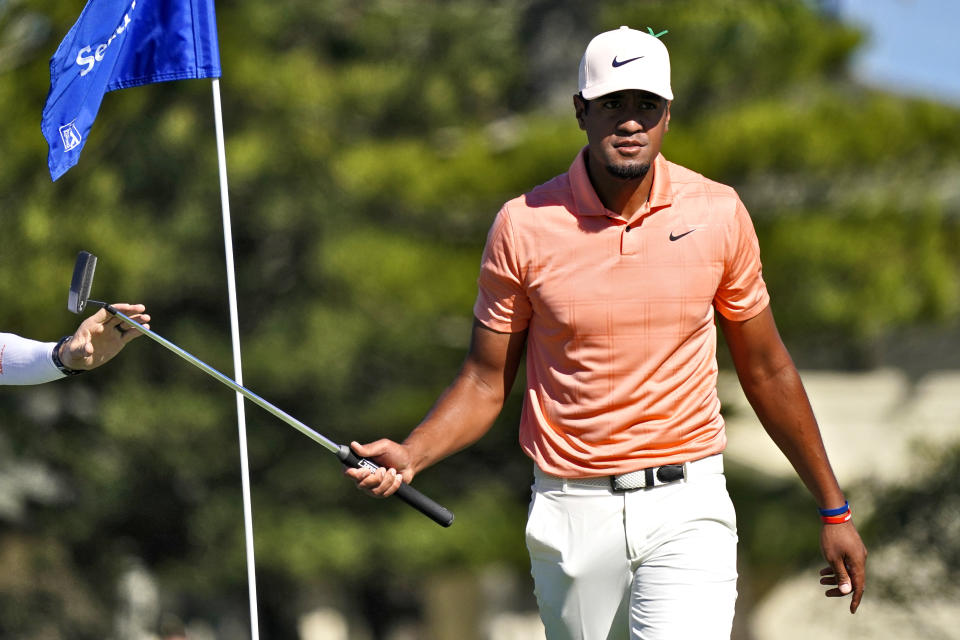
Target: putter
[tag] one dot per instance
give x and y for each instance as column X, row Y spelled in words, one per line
column 79, row 297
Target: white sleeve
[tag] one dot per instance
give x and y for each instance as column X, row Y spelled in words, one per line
column 24, row 361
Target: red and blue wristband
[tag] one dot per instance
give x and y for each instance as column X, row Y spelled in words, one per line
column 838, row 515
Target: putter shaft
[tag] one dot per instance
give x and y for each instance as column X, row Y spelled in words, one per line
column 326, row 443
column 436, row 512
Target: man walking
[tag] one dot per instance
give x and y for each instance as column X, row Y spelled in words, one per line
column 611, row 276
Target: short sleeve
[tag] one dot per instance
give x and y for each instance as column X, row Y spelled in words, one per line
column 742, row 293
column 502, row 303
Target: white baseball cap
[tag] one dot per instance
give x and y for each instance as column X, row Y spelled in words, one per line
column 625, row 59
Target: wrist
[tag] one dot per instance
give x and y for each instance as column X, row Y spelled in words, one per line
column 836, row 515
column 58, row 362
column 416, row 457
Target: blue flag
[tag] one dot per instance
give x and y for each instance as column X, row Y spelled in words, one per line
column 117, row 44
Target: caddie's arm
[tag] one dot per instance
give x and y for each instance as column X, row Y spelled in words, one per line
column 772, row 385
column 464, row 412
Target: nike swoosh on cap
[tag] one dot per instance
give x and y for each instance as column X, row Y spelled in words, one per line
column 620, row 63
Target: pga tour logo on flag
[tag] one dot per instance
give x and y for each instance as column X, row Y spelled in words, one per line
column 117, row 44
column 70, row 136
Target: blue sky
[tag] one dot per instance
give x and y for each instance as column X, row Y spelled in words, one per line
column 913, row 46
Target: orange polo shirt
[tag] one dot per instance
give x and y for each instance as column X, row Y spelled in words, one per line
column 621, row 343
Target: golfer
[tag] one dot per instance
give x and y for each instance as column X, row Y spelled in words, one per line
column 98, row 339
column 612, row 276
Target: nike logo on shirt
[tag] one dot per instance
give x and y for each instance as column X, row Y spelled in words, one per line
column 674, row 238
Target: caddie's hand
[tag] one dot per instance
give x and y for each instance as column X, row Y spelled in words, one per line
column 101, row 336
column 847, row 556
column 394, row 462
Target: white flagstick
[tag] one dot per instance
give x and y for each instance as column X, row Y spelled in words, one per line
column 238, row 376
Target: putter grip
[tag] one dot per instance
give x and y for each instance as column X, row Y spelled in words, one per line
column 438, row 513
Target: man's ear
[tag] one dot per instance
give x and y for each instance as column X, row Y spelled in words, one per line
column 579, row 108
column 667, row 127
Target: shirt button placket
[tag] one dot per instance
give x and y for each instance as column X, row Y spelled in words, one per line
column 629, row 240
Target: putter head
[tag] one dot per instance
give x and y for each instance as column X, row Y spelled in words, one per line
column 82, row 281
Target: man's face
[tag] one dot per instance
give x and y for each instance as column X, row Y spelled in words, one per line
column 624, row 131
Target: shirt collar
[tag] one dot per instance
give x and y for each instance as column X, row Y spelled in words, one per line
column 588, row 202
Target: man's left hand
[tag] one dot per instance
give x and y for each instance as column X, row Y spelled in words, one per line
column 847, row 556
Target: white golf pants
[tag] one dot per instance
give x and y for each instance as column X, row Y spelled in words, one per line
column 649, row 564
